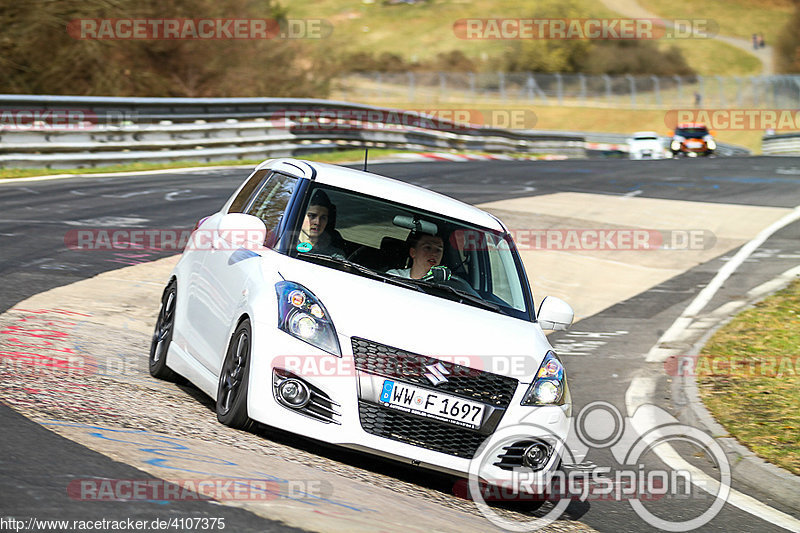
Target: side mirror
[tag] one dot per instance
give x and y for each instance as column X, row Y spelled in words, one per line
column 555, row 314
column 242, row 231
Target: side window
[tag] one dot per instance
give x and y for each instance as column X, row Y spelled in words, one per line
column 270, row 202
column 241, row 200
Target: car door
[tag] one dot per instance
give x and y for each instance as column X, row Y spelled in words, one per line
column 196, row 285
column 228, row 268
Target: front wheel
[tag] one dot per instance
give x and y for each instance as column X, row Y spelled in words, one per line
column 162, row 335
column 233, row 378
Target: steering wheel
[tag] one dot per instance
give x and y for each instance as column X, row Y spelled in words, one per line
column 355, row 253
column 462, row 285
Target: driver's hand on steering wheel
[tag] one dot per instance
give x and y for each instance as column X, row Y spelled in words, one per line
column 437, row 274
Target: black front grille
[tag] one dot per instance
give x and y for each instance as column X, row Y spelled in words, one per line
column 427, row 434
column 511, row 458
column 471, row 383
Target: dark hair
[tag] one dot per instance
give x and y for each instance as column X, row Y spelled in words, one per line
column 414, row 237
column 322, row 199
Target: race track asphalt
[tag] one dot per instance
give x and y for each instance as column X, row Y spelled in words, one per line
column 600, row 361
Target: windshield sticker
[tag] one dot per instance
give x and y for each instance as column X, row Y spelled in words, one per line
column 304, row 247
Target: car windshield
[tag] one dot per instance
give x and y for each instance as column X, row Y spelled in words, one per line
column 646, row 138
column 692, row 132
column 366, row 236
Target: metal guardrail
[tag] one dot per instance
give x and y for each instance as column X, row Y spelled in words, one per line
column 117, row 130
column 783, row 144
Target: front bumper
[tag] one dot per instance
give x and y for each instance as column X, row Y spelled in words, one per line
column 363, row 424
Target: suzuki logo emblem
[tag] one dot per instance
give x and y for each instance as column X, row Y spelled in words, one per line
column 435, row 373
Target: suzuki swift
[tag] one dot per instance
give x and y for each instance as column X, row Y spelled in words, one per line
column 369, row 313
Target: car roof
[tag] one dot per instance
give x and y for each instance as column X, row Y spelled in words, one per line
column 645, row 134
column 691, row 125
column 386, row 188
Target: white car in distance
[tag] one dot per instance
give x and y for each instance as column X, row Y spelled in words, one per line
column 646, row 145
column 329, row 338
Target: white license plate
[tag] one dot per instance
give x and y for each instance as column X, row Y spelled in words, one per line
column 431, row 404
column 694, row 144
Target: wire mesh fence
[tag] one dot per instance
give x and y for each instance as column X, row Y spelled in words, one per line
column 622, row 92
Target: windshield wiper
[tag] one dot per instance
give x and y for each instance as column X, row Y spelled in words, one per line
column 374, row 274
column 475, row 300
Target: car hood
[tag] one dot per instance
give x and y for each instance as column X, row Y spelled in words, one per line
column 422, row 323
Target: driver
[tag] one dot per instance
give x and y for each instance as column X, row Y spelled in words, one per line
column 426, row 252
column 318, row 232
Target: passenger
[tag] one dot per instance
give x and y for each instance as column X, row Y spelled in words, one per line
column 426, row 252
column 319, row 227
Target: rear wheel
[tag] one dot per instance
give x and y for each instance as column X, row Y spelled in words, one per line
column 233, row 378
column 162, row 335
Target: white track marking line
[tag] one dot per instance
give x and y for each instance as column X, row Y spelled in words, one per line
column 639, row 392
column 642, row 389
column 658, row 354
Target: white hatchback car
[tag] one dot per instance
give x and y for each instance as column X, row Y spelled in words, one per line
column 297, row 306
column 646, row 145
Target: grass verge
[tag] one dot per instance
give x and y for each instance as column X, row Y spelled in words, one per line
column 739, row 18
column 749, row 378
column 427, row 27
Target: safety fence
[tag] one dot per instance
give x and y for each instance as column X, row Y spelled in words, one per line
column 72, row 131
column 619, row 92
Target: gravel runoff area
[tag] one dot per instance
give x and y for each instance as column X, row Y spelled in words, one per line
column 79, row 354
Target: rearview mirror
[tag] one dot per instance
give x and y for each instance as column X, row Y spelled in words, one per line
column 415, row 224
column 555, row 314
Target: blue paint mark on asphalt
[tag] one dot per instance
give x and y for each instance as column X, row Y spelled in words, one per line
column 171, row 444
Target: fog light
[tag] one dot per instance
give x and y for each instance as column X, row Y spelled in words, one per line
column 535, row 456
column 294, row 392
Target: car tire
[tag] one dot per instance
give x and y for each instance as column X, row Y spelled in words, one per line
column 233, row 380
column 162, row 335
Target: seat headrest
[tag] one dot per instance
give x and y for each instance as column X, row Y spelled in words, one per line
column 394, row 252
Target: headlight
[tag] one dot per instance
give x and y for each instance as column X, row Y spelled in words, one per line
column 549, row 385
column 711, row 144
column 676, row 145
column 301, row 315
